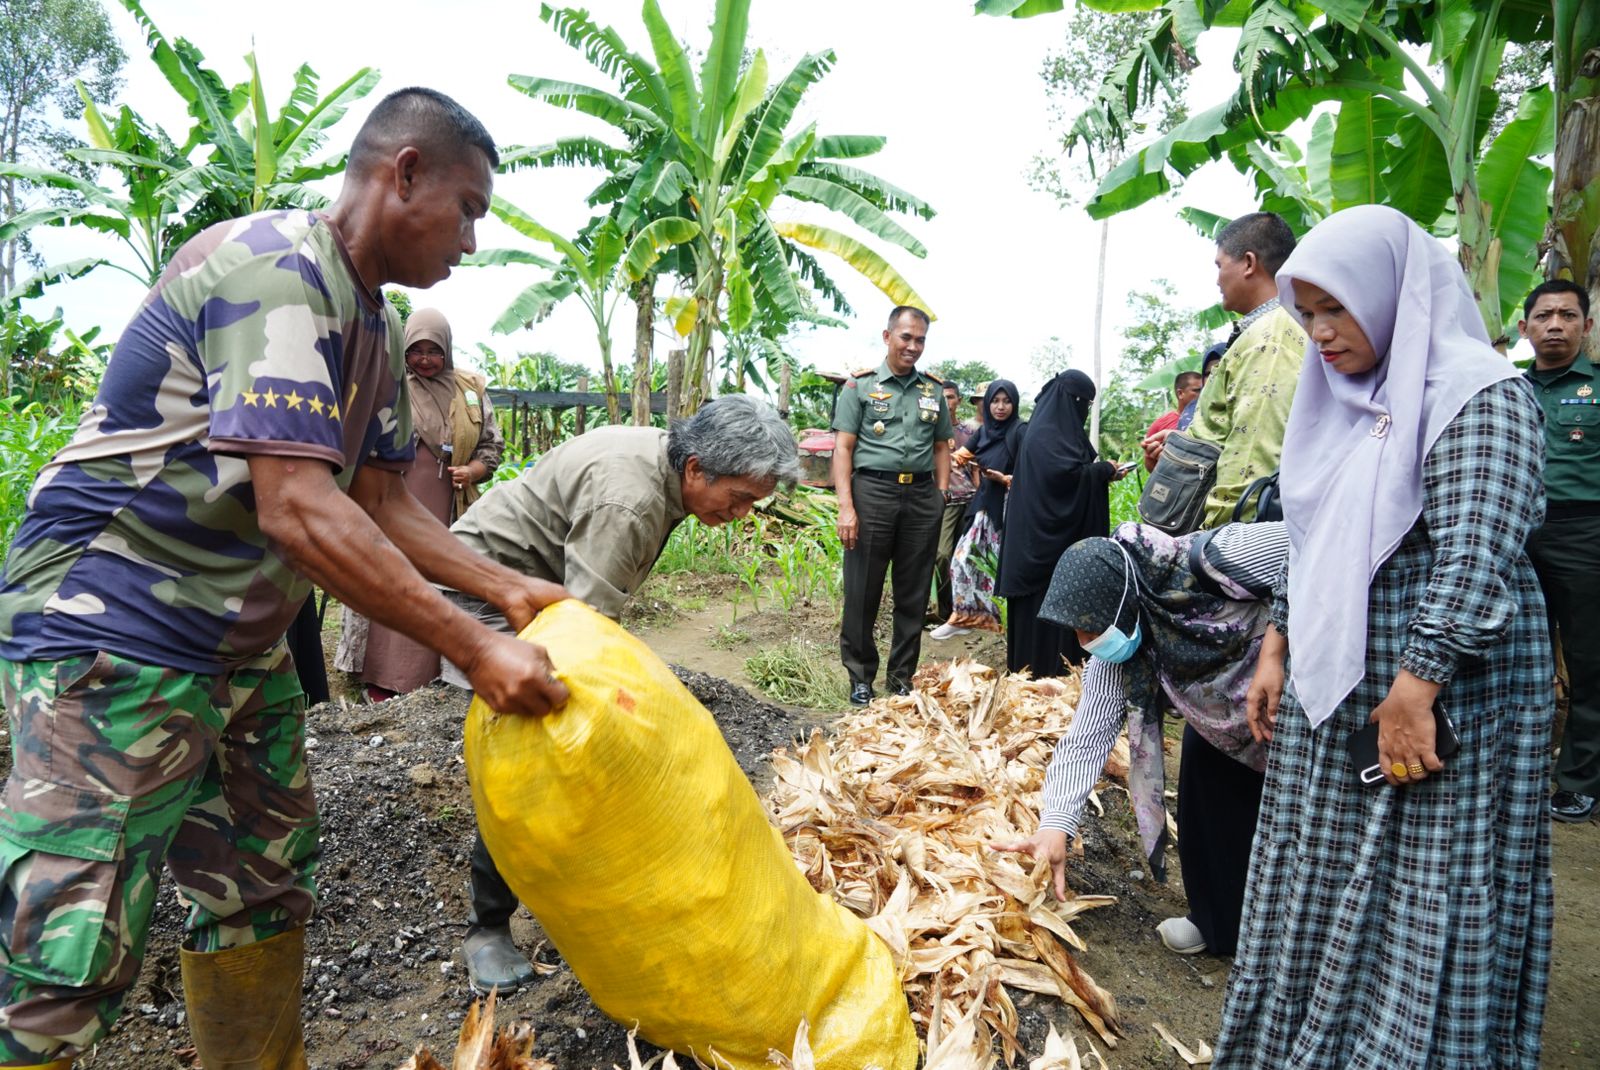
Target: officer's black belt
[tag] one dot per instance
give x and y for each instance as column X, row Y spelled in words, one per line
column 895, row 477
column 1570, row 510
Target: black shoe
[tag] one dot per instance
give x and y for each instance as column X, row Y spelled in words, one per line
column 899, row 689
column 860, row 694
column 1573, row 806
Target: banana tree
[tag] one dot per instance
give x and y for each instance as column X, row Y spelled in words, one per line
column 1575, row 250
column 598, row 267
column 722, row 143
column 256, row 161
column 144, row 217
column 1410, row 133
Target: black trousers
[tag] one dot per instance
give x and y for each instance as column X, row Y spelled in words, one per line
column 493, row 901
column 1044, row 649
column 1564, row 555
column 304, row 639
column 951, row 529
column 899, row 526
column 1219, row 800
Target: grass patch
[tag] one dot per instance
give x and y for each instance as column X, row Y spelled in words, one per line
column 799, row 673
column 728, row 638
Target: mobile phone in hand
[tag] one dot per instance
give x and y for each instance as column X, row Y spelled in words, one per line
column 1363, row 746
column 1124, row 467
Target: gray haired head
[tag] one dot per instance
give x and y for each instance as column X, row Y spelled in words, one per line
column 736, row 435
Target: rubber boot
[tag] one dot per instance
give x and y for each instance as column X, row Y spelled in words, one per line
column 244, row 1004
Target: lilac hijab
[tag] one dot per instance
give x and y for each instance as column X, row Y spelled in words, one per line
column 1355, row 444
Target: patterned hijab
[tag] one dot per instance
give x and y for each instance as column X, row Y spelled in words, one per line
column 1355, row 444
column 1197, row 651
column 431, row 398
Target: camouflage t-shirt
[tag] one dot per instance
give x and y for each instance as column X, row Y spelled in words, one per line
column 141, row 536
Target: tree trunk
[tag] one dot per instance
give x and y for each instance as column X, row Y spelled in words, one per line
column 1099, row 318
column 785, row 385
column 608, row 377
column 697, row 367
column 581, row 413
column 1480, row 257
column 1575, row 252
column 644, row 298
column 676, row 360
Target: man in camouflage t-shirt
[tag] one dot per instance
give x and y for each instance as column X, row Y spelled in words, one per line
column 248, row 438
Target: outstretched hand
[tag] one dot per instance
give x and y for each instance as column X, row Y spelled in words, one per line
column 1049, row 844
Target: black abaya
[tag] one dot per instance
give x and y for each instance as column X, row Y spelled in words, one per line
column 1058, row 496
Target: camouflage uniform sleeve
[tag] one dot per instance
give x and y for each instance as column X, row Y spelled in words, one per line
column 269, row 342
column 847, row 409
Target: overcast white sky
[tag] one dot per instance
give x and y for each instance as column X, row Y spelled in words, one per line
column 959, row 98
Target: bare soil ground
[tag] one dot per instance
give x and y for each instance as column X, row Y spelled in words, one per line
column 384, row 970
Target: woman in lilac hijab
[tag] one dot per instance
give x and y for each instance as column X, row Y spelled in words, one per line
column 1405, row 923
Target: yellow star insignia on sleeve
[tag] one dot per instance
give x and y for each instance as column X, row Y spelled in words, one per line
column 249, row 397
column 316, row 405
column 270, row 398
column 333, row 411
column 293, row 399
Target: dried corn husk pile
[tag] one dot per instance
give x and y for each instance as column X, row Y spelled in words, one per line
column 894, row 815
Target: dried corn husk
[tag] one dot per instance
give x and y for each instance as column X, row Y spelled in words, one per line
column 1200, row 1056
column 479, row 1048
column 894, row 814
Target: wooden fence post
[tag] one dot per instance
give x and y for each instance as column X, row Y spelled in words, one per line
column 581, row 416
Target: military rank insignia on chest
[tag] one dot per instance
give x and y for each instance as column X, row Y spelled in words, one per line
column 1585, row 390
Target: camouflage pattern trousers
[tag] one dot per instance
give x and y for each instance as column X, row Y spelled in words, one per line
column 117, row 768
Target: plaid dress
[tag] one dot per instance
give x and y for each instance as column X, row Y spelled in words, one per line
column 1410, row 927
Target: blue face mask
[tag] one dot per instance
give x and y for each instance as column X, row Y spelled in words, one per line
column 1113, row 644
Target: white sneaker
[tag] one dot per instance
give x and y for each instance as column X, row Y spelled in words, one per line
column 948, row 631
column 1181, row 935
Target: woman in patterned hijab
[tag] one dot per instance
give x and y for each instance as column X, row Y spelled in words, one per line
column 1186, row 618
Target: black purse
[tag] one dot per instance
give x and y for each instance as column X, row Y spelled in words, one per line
column 1269, row 505
column 1174, row 497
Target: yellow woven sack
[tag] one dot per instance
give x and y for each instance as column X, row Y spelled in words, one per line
column 623, row 822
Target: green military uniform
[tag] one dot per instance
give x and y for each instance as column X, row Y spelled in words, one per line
column 1563, row 553
column 897, row 420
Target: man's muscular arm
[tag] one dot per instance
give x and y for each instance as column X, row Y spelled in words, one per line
column 440, row 556
column 328, row 537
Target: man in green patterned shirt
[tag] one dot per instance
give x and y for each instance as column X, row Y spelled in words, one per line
column 1245, row 403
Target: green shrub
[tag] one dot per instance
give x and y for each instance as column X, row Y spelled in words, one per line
column 30, row 435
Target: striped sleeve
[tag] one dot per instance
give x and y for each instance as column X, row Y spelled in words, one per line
column 1081, row 754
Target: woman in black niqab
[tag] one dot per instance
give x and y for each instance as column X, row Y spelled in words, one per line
column 1058, row 496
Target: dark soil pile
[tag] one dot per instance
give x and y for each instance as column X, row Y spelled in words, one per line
column 383, row 964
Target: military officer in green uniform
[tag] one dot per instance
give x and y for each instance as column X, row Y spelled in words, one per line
column 1556, row 320
column 891, row 465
